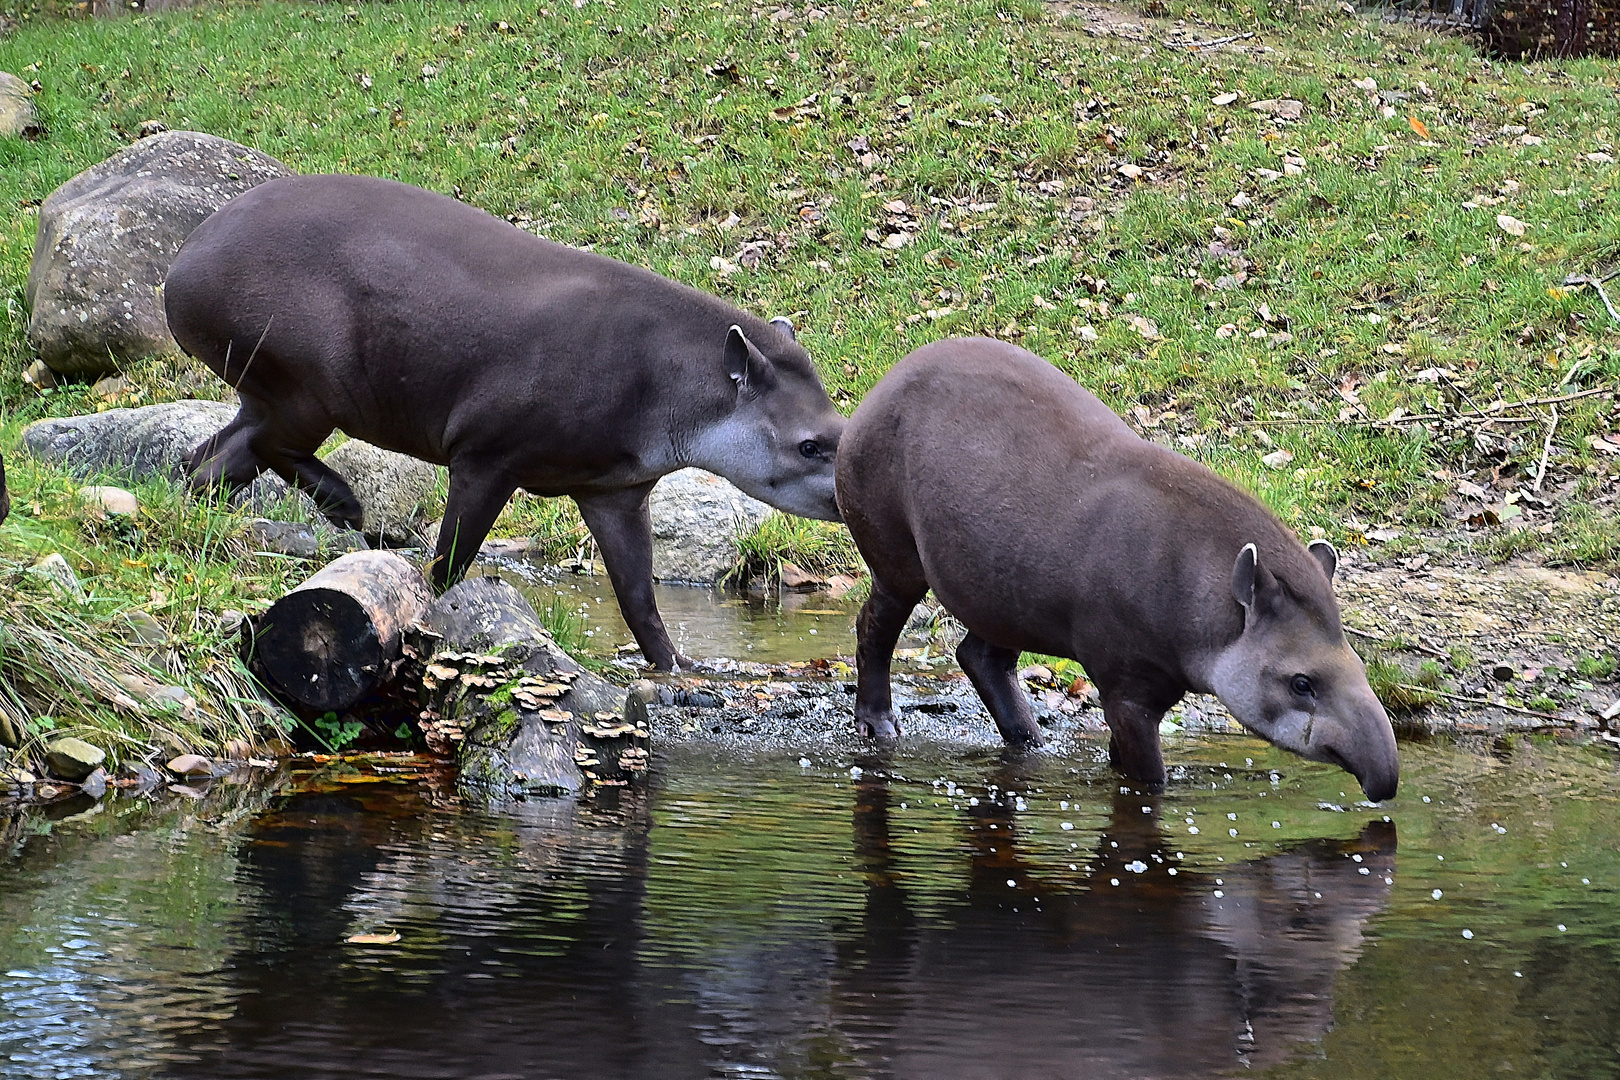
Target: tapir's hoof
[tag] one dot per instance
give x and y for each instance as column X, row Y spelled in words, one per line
column 881, row 726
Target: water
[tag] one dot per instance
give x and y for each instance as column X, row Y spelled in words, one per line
column 817, row 914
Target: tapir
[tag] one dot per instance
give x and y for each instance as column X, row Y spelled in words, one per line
column 429, row 327
column 5, row 496
column 1044, row 523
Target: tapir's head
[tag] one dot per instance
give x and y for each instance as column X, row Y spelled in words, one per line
column 1292, row 678
column 778, row 442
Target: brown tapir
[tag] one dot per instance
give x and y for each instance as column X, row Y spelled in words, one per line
column 5, row 496
column 426, row 326
column 1043, row 523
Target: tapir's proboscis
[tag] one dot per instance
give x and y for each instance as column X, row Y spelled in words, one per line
column 428, row 327
column 1044, row 523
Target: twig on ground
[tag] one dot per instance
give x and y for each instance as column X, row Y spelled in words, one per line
column 1474, row 414
column 1416, row 646
column 1596, row 283
column 1546, row 449
column 1485, row 703
column 1212, row 43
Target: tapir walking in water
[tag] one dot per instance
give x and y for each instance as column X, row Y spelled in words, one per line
column 1043, row 523
column 428, row 327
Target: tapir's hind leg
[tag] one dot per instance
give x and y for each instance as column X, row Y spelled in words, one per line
column 227, row 458
column 877, row 628
column 994, row 673
column 329, row 490
column 477, row 497
column 622, row 527
column 1133, row 739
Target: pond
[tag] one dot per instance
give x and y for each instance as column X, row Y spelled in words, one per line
column 942, row 912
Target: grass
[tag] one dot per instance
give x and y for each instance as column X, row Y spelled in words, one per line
column 897, row 171
column 818, row 547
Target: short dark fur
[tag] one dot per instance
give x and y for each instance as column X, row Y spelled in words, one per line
column 1043, row 523
column 428, row 327
column 5, row 496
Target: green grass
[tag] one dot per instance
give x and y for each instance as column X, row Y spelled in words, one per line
column 817, row 547
column 756, row 152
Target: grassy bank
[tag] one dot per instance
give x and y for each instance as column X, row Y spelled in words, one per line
column 1262, row 293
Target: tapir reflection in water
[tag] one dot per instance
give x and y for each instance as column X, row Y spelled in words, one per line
column 428, row 327
column 1044, row 523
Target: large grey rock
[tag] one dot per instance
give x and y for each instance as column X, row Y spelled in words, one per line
column 391, row 488
column 17, row 107
column 106, row 239
column 151, row 441
column 696, row 518
column 73, row 759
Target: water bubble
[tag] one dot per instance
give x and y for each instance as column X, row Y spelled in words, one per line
column 1562, row 928
column 1113, row 881
column 1011, row 884
column 1147, row 809
column 1231, row 817
column 1193, row 829
column 1437, row 894
column 1518, row 974
column 1276, row 824
column 1425, row 798
column 1469, row 934
column 973, row 801
column 1172, row 871
column 854, row 772
column 1364, row 870
column 1137, row 867
column 1073, row 867
column 1232, row 831
column 1218, row 892
column 1355, row 858
column 804, row 763
column 1586, row 881
column 1066, row 826
column 1064, row 805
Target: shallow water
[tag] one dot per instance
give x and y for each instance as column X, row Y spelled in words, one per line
column 775, row 628
column 945, row 913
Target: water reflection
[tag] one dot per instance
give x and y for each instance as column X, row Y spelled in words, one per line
column 1147, row 970
column 530, row 947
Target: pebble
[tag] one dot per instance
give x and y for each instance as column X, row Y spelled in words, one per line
column 73, row 759
column 104, row 501
column 55, row 569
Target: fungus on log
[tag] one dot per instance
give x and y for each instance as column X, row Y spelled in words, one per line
column 519, row 714
column 336, row 638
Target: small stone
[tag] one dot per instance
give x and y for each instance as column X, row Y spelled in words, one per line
column 113, row 501
column 1130, row 172
column 12, row 776
column 143, row 629
column 17, row 115
column 1281, row 108
column 110, row 387
column 236, row 750
column 94, row 785
column 191, row 766
column 55, row 569
column 645, row 691
column 39, row 376
column 73, row 759
column 795, row 578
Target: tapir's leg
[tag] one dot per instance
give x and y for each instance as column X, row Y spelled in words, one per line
column 329, row 490
column 227, row 458
column 877, row 628
column 994, row 673
column 477, row 497
column 622, row 527
column 1133, row 741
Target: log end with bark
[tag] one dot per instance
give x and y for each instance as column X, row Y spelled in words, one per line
column 337, row 637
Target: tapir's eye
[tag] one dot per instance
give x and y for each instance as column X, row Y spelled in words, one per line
column 810, row 448
column 1301, row 685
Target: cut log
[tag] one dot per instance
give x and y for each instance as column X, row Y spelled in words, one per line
column 335, row 638
column 520, row 715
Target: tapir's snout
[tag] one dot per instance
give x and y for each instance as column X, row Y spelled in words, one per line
column 1363, row 744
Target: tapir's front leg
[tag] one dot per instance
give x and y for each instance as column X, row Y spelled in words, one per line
column 477, row 497
column 1133, row 726
column 622, row 526
column 877, row 629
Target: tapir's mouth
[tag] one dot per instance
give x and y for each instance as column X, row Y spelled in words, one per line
column 1333, row 757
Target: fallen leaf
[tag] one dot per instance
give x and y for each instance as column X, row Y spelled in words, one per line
column 1277, row 459
column 1368, row 85
column 1530, row 140
column 1600, row 158
column 1223, row 99
column 387, row 937
column 1130, row 172
column 1240, row 201
column 1510, row 224
column 896, row 241
column 1144, row 327
column 1418, row 126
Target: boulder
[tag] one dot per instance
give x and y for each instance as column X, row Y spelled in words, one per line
column 106, row 239
column 696, row 518
column 302, row 541
column 73, row 759
column 151, row 441
column 391, row 488
column 17, row 115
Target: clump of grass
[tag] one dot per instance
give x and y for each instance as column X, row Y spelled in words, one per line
column 1595, row 667
column 817, row 547
column 567, row 626
column 63, row 673
column 1401, row 690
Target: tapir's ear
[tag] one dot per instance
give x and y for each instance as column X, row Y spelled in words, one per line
column 746, row 365
column 785, row 325
column 1326, row 556
column 1244, row 572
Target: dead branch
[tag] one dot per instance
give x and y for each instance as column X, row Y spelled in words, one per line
column 1484, row 702
column 1416, row 646
column 1546, row 449
column 1212, row 43
column 1596, row 283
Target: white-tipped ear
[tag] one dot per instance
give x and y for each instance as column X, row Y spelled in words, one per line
column 1326, row 556
column 785, row 325
column 1244, row 572
column 737, row 355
